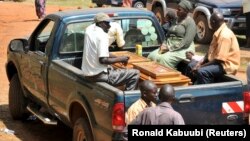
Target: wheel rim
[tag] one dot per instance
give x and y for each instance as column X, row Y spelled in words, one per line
column 139, row 5
column 201, row 30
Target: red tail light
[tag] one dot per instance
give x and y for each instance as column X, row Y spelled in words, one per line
column 246, row 96
column 118, row 117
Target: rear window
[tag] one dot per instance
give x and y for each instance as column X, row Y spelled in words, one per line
column 135, row 30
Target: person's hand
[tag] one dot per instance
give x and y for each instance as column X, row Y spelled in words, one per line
column 124, row 60
column 196, row 67
column 163, row 48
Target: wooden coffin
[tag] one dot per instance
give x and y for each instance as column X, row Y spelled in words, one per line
column 160, row 74
column 157, row 71
column 133, row 58
column 180, row 81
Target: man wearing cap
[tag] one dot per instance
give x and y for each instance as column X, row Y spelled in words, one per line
column 96, row 60
column 180, row 39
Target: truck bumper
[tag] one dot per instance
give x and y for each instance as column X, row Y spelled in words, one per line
column 117, row 136
column 237, row 25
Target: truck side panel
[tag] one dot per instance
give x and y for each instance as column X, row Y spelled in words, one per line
column 97, row 98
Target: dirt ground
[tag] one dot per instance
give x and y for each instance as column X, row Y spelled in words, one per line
column 18, row 20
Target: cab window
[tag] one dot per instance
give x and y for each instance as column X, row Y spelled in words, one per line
column 73, row 37
column 42, row 36
column 140, row 31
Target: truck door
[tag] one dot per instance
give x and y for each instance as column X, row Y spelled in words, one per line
column 37, row 59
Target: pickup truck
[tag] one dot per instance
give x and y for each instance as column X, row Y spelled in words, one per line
column 46, row 79
column 203, row 9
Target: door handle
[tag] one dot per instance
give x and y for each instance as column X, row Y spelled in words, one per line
column 41, row 68
column 186, row 98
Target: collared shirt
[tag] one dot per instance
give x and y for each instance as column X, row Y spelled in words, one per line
column 162, row 114
column 116, row 34
column 136, row 108
column 246, row 6
column 96, row 45
column 225, row 47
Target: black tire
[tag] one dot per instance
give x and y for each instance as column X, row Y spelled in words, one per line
column 159, row 14
column 99, row 5
column 82, row 131
column 139, row 4
column 17, row 101
column 204, row 33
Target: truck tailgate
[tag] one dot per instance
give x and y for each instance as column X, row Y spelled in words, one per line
column 202, row 104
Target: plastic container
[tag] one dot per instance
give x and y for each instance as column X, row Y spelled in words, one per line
column 138, row 48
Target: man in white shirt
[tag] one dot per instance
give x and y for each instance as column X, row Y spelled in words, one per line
column 96, row 58
column 116, row 34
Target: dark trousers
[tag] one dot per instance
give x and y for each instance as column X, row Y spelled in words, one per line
column 118, row 77
column 204, row 75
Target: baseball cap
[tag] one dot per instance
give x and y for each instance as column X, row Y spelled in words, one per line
column 100, row 17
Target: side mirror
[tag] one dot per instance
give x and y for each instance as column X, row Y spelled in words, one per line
column 19, row 45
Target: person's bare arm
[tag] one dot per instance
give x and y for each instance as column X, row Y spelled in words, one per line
column 113, row 59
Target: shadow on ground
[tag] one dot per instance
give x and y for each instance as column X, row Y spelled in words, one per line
column 33, row 129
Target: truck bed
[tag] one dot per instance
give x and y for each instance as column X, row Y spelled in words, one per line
column 198, row 104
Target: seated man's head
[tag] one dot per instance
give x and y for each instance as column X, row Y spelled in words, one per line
column 189, row 55
column 167, row 93
column 148, row 91
column 216, row 20
column 102, row 20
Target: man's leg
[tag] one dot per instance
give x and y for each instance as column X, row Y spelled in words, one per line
column 169, row 59
column 154, row 55
column 188, row 71
column 207, row 74
column 129, row 77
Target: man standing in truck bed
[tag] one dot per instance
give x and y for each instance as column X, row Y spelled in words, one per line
column 96, row 57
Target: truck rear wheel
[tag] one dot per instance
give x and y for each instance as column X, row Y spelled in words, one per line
column 99, row 5
column 82, row 131
column 159, row 14
column 204, row 33
column 17, row 101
